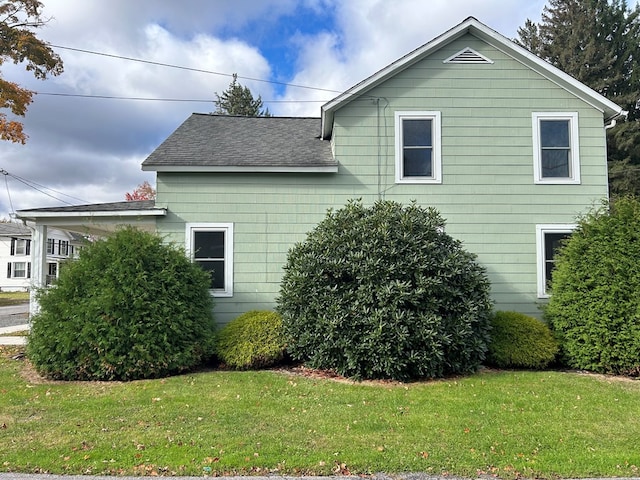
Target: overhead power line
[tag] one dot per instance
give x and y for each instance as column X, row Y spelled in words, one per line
column 149, row 99
column 39, row 188
column 199, row 70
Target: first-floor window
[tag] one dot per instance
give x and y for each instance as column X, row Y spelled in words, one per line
column 549, row 240
column 210, row 245
column 19, row 270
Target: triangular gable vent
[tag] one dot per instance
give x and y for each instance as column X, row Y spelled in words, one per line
column 468, row 55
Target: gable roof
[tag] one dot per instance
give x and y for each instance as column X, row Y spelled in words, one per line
column 473, row 27
column 223, row 143
column 11, row 229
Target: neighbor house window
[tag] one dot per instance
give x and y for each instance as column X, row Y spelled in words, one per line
column 210, row 245
column 549, row 239
column 19, row 270
column 50, row 246
column 63, row 247
column 555, row 148
column 418, row 152
column 20, row 246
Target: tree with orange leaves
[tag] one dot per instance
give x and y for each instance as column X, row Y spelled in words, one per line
column 144, row 191
column 18, row 43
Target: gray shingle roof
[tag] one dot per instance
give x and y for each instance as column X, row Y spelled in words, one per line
column 98, row 207
column 14, row 229
column 229, row 143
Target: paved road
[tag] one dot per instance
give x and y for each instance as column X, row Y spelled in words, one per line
column 14, row 315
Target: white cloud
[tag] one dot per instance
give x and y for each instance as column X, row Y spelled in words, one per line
column 92, row 148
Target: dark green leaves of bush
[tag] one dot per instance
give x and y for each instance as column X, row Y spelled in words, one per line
column 383, row 292
column 595, row 302
column 130, row 307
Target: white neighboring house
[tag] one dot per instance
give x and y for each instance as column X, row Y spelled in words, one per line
column 15, row 254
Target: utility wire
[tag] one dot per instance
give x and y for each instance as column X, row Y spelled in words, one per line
column 199, row 70
column 115, row 97
column 39, row 188
column 6, row 182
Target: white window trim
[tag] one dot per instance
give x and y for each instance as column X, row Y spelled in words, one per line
column 437, row 149
column 574, row 144
column 541, row 230
column 228, row 251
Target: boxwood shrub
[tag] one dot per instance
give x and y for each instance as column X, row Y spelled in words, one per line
column 520, row 341
column 252, row 340
column 129, row 307
column 384, row 292
column 595, row 304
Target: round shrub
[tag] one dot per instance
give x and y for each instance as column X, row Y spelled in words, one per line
column 384, row 292
column 129, row 307
column 520, row 341
column 252, row 340
column 595, row 304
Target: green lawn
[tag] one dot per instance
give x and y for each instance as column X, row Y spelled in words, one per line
column 509, row 424
column 13, row 298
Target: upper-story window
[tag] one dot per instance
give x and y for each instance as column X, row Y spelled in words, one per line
column 418, row 151
column 556, row 151
column 63, row 247
column 211, row 247
column 50, row 246
column 20, row 246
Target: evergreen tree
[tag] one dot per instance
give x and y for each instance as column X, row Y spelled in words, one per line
column 598, row 43
column 238, row 100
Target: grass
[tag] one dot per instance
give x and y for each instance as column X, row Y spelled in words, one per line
column 19, row 333
column 13, row 298
column 505, row 423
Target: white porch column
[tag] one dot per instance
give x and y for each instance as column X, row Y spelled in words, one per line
column 38, row 265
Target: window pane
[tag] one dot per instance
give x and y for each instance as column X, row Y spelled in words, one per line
column 554, row 133
column 417, row 133
column 555, row 163
column 21, row 247
column 417, row 162
column 208, row 244
column 216, row 269
column 552, row 242
column 20, row 269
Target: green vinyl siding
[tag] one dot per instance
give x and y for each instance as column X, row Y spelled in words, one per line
column 487, row 195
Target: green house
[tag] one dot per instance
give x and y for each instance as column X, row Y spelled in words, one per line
column 508, row 148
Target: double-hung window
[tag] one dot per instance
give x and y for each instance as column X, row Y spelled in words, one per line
column 210, row 245
column 19, row 270
column 549, row 239
column 20, row 246
column 555, row 147
column 418, row 150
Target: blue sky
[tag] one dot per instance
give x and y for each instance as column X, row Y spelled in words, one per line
column 92, row 148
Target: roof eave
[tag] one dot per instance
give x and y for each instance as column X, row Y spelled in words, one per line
column 610, row 109
column 36, row 214
column 240, row 169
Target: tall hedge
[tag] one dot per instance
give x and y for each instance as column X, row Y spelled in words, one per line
column 130, row 307
column 384, row 292
column 595, row 303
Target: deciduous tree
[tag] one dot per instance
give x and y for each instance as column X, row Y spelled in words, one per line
column 144, row 191
column 19, row 44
